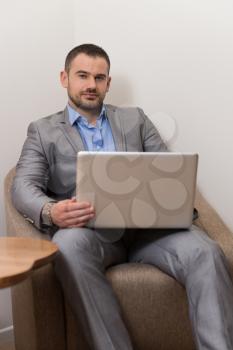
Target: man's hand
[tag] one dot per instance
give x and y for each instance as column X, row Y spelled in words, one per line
column 70, row 213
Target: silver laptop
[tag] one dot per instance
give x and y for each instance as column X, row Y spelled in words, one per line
column 138, row 189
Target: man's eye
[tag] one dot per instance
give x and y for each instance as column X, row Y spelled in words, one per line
column 100, row 78
column 82, row 76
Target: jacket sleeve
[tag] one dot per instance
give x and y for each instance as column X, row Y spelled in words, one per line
column 152, row 141
column 30, row 183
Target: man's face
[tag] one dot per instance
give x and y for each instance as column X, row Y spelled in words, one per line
column 87, row 82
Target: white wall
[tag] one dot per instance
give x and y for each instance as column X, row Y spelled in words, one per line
column 174, row 59
column 34, row 39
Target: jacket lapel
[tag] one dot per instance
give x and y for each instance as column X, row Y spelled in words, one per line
column 71, row 133
column 116, row 127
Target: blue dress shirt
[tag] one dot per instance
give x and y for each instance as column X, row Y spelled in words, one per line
column 95, row 137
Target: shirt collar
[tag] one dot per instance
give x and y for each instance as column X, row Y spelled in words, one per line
column 75, row 116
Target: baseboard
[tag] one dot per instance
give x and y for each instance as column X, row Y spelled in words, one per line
column 6, row 335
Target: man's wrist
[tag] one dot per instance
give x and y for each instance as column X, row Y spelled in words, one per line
column 46, row 218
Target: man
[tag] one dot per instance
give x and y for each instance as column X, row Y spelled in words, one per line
column 44, row 189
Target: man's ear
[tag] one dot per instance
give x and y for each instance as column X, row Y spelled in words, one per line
column 109, row 83
column 64, row 79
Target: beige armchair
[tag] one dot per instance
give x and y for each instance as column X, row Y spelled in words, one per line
column 154, row 305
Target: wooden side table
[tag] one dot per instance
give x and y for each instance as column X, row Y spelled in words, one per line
column 19, row 256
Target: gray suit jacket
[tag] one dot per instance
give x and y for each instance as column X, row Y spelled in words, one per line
column 46, row 169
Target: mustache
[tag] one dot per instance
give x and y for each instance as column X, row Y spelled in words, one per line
column 92, row 91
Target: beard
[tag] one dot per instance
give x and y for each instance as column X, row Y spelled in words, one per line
column 85, row 104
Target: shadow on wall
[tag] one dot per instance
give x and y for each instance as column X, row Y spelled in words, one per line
column 120, row 93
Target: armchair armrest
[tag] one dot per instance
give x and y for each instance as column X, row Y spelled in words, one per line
column 16, row 224
column 214, row 226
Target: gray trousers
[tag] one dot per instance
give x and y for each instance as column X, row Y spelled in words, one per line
column 189, row 256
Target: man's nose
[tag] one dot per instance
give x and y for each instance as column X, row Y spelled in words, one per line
column 91, row 83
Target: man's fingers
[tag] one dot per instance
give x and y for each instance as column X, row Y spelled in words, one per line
column 79, row 220
column 70, row 206
column 70, row 212
column 78, row 213
column 78, row 225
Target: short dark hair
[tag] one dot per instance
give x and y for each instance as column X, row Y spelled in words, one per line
column 90, row 50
